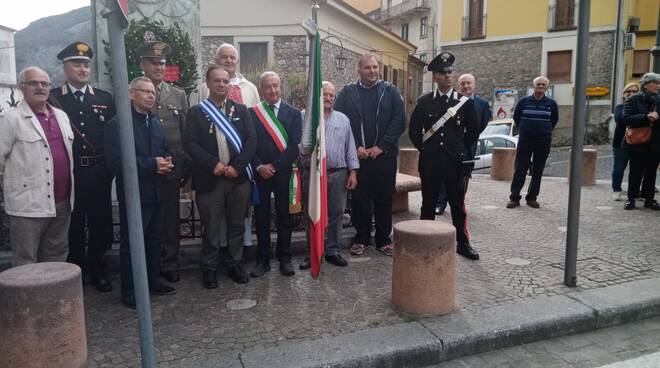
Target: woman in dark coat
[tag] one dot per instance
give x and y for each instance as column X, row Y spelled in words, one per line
column 641, row 110
column 620, row 154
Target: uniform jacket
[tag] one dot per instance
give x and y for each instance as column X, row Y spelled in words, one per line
column 634, row 116
column 26, row 175
column 88, row 119
column 171, row 108
column 442, row 154
column 149, row 144
column 202, row 146
column 267, row 151
column 390, row 116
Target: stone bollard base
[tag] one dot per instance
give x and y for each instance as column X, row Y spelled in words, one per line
column 502, row 165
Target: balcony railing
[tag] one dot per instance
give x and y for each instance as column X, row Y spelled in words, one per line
column 404, row 8
column 472, row 29
column 555, row 24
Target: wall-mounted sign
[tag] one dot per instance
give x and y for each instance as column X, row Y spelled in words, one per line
column 504, row 102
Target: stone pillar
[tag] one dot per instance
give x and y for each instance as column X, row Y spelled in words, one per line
column 424, row 267
column 408, row 159
column 589, row 166
column 503, row 163
column 42, row 316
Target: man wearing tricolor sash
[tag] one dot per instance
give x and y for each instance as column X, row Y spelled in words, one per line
column 443, row 126
column 221, row 140
column 279, row 129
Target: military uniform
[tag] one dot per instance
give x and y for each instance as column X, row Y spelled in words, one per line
column 88, row 109
column 171, row 108
column 442, row 154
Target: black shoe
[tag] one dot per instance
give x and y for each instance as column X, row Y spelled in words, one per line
column 466, row 251
column 286, row 269
column 630, row 204
column 652, row 205
column 305, row 264
column 128, row 300
column 238, row 274
column 336, row 260
column 158, row 288
column 101, row 284
column 513, row 204
column 209, row 279
column 533, row 203
column 440, row 210
column 260, row 269
column 171, row 276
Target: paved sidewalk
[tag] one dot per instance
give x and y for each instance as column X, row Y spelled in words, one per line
column 522, row 254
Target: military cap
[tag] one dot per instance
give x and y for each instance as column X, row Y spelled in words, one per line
column 155, row 49
column 76, row 51
column 444, row 62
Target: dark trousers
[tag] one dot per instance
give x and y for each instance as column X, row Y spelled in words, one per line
column 153, row 226
column 530, row 151
column 455, row 191
column 621, row 157
column 642, row 165
column 92, row 212
column 279, row 186
column 170, row 254
column 373, row 198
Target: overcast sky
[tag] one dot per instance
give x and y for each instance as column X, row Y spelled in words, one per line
column 17, row 14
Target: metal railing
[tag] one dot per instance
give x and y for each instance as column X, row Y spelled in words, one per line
column 552, row 19
column 471, row 31
column 404, row 8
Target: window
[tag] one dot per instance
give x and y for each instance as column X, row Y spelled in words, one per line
column 564, row 15
column 559, row 66
column 641, row 62
column 385, row 70
column 254, row 56
column 475, row 20
column 395, row 77
column 423, row 27
column 404, row 31
column 422, row 57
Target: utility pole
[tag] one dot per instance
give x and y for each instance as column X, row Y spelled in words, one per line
column 579, row 116
column 116, row 26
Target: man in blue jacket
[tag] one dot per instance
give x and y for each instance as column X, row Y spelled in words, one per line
column 536, row 117
column 153, row 164
column 376, row 111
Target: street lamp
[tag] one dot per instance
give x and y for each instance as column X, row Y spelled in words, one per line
column 340, row 60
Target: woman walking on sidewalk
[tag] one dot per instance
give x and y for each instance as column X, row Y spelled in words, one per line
column 620, row 154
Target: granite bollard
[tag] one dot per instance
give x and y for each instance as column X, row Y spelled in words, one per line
column 424, row 267
column 502, row 164
column 42, row 317
column 408, row 159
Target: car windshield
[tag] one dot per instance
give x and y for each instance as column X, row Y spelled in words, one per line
column 497, row 129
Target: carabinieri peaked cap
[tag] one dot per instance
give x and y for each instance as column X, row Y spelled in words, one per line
column 444, row 62
column 76, row 51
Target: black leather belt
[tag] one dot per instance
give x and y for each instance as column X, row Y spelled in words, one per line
column 331, row 170
column 85, row 161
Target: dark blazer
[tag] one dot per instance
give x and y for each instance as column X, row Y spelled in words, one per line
column 201, row 144
column 483, row 112
column 149, row 144
column 634, row 116
column 267, row 151
column 443, row 154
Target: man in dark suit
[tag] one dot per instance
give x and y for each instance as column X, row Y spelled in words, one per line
column 279, row 129
column 442, row 126
column 221, row 140
column 88, row 109
column 153, row 164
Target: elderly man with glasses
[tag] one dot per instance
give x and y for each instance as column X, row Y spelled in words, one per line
column 36, row 172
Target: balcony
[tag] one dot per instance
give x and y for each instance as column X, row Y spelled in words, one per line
column 562, row 18
column 403, row 9
column 474, row 28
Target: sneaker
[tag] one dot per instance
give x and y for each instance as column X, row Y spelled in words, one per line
column 617, row 196
column 386, row 249
column 357, row 249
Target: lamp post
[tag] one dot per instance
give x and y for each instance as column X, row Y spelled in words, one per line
column 340, row 60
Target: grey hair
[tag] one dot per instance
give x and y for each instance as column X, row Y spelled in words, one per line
column 540, row 78
column 22, row 73
column 139, row 79
column 327, row 83
column 466, row 75
column 266, row 74
column 226, row 45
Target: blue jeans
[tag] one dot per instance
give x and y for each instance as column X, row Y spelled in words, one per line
column 621, row 158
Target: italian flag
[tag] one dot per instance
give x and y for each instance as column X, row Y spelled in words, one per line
column 318, row 181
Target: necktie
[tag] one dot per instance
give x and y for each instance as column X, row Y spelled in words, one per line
column 273, row 107
column 79, row 95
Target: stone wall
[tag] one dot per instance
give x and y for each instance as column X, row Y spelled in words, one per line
column 210, row 45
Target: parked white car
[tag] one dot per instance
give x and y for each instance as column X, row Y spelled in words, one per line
column 500, row 126
column 484, row 154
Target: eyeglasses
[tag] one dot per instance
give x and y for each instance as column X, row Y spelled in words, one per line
column 147, row 91
column 34, row 84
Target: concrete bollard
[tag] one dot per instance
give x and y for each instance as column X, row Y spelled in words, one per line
column 503, row 163
column 42, row 316
column 408, row 159
column 424, row 267
column 589, row 166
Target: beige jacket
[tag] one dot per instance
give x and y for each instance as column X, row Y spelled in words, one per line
column 249, row 92
column 26, row 163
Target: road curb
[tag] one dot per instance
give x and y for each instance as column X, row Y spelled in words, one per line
column 431, row 341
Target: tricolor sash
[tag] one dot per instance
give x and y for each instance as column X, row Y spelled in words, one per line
column 222, row 123
column 278, row 134
column 443, row 119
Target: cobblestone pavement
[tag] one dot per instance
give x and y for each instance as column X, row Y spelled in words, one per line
column 587, row 350
column 522, row 254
